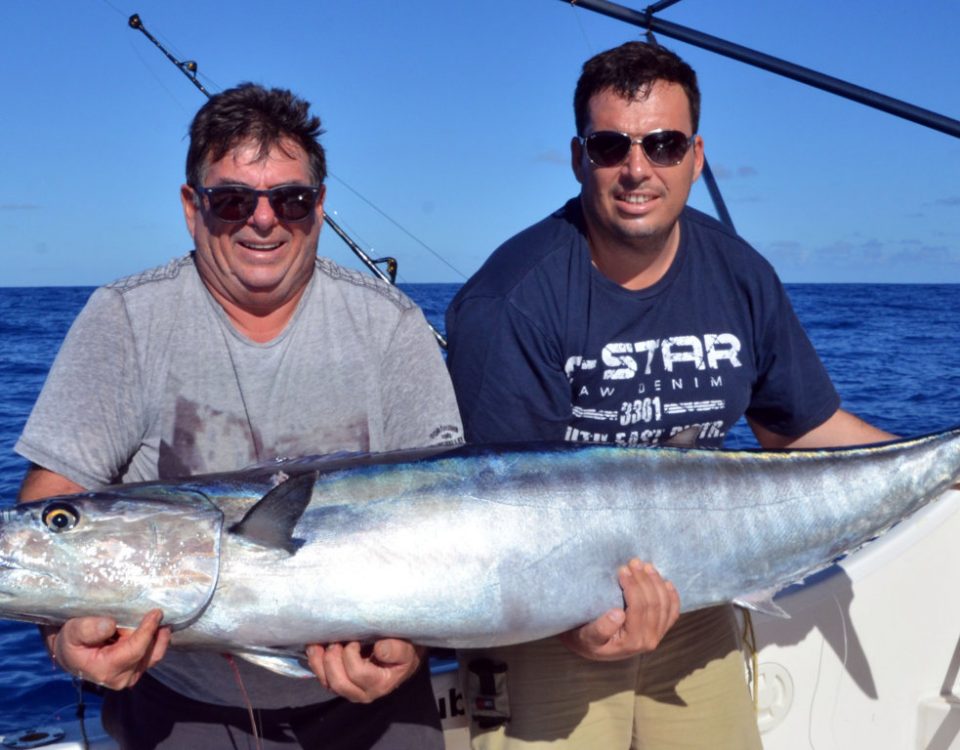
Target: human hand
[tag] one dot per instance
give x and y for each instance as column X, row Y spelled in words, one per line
column 652, row 606
column 362, row 674
column 96, row 650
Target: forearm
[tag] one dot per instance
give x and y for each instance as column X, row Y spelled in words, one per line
column 39, row 483
column 843, row 428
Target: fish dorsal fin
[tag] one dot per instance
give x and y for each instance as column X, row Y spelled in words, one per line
column 684, row 439
column 270, row 523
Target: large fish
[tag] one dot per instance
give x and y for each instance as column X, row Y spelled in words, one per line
column 462, row 547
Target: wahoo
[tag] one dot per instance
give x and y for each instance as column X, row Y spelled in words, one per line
column 456, row 547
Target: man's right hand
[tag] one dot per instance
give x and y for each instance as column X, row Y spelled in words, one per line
column 651, row 608
column 96, row 650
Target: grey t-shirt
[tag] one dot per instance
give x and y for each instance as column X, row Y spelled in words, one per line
column 153, row 382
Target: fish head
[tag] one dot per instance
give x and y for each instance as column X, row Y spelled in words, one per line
column 109, row 555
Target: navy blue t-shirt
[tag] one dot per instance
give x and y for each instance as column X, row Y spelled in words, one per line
column 542, row 346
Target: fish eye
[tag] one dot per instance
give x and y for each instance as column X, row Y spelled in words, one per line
column 60, row 516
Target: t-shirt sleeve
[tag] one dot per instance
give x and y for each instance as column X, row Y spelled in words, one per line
column 88, row 418
column 420, row 407
column 794, row 393
column 507, row 373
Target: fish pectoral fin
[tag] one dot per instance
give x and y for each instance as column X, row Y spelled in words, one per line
column 762, row 601
column 288, row 666
column 270, row 523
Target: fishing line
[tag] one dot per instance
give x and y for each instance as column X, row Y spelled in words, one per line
column 159, row 81
column 81, row 712
column 114, row 8
column 143, row 60
column 583, row 29
column 843, row 659
column 353, row 230
column 816, row 689
column 403, row 229
column 246, row 700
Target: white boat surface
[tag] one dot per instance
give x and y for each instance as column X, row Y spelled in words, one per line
column 870, row 655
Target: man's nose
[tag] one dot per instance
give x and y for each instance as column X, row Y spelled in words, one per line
column 263, row 215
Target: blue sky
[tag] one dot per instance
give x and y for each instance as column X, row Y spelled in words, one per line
column 453, row 118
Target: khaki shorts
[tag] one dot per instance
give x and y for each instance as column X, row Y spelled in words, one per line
column 690, row 692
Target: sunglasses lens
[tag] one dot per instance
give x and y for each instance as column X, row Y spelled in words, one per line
column 606, row 148
column 293, row 203
column 666, row 147
column 235, row 204
column 232, row 204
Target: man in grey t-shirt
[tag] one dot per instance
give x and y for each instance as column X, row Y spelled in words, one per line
column 246, row 349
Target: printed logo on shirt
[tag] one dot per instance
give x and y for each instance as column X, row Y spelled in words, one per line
column 643, row 392
column 624, row 359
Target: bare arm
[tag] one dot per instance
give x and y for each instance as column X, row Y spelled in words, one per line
column 40, row 483
column 843, row 428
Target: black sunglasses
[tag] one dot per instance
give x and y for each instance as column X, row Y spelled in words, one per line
column 236, row 203
column 665, row 148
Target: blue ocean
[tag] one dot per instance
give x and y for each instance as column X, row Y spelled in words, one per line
column 892, row 350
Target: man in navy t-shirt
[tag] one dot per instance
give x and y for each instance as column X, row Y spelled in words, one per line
column 627, row 317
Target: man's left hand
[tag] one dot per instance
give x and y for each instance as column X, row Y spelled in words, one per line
column 361, row 674
column 652, row 606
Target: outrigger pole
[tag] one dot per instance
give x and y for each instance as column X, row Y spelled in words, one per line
column 189, row 69
column 646, row 19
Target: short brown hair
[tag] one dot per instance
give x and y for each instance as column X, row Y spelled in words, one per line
column 252, row 112
column 630, row 70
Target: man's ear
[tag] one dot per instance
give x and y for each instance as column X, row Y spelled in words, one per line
column 191, row 208
column 576, row 158
column 697, row 158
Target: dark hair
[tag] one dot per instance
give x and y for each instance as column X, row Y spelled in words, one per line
column 252, row 112
column 630, row 71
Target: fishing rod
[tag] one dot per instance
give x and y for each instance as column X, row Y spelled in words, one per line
column 647, row 20
column 189, row 69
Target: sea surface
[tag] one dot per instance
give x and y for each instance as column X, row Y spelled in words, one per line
column 892, row 350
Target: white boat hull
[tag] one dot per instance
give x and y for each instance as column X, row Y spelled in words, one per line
column 870, row 656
